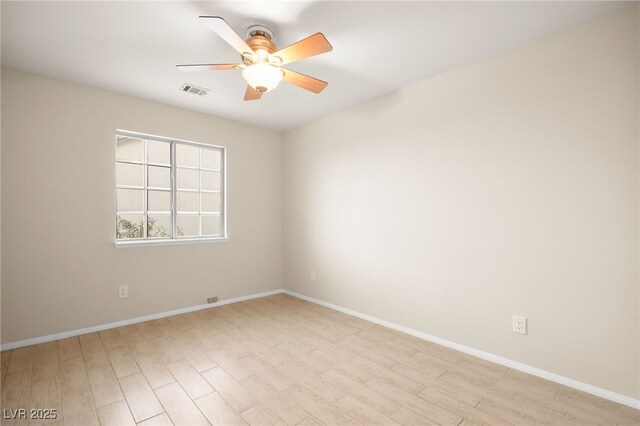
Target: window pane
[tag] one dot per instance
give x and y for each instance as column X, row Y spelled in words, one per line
column 210, row 202
column 129, row 226
column 159, row 226
column 159, row 201
column 210, row 158
column 129, row 174
column 187, row 226
column 129, row 149
column 210, row 225
column 158, row 152
column 187, row 179
column 159, row 177
column 187, row 201
column 187, row 155
column 210, row 180
column 130, row 200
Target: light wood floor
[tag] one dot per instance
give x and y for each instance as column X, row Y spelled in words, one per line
column 280, row 360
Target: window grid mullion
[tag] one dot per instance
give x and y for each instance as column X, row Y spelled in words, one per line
column 174, row 192
column 137, row 163
column 223, row 193
column 199, row 193
column 145, row 194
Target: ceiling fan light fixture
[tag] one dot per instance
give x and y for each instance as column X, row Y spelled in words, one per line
column 263, row 77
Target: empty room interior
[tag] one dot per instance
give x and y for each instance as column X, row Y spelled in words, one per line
column 320, row 213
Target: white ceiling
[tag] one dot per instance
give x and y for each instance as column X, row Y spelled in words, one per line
column 133, row 47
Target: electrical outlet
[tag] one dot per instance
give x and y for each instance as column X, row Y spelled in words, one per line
column 213, row 299
column 123, row 291
column 313, row 276
column 519, row 324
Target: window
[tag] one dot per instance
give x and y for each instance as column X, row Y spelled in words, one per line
column 168, row 190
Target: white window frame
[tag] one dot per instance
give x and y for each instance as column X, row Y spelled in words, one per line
column 175, row 239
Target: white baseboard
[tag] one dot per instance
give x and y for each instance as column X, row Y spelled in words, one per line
column 79, row 331
column 584, row 387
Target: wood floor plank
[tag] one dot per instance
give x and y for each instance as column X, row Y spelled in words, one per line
column 320, row 409
column 410, row 361
column 267, row 372
column 361, row 392
column 588, row 402
column 69, row 348
column 159, row 420
column 310, row 421
column 346, row 349
column 198, row 357
column 166, row 349
column 111, row 338
column 5, row 356
column 461, row 393
column 258, row 415
column 218, row 411
column 311, row 382
column 289, row 412
column 78, row 408
column 512, row 414
column 554, row 418
column 140, row 397
column 519, row 395
column 148, row 330
column 154, row 370
column 47, row 347
column 94, row 353
column 122, row 361
column 104, row 386
column 234, row 366
column 189, row 378
column 45, row 394
column 73, row 376
column 362, row 412
column 88, row 337
column 452, row 405
column 419, row 405
column 231, row 390
column 406, row 416
column 45, row 365
column 115, row 414
column 16, row 394
column 179, row 407
column 137, row 344
column 22, row 359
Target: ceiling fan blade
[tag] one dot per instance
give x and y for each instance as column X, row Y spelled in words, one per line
column 305, row 48
column 304, row 81
column 208, row 67
column 251, row 94
column 224, row 30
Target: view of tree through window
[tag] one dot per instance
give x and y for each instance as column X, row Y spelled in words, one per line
column 168, row 189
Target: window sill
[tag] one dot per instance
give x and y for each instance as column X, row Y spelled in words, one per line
column 178, row 241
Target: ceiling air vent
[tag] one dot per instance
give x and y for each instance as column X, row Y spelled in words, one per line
column 190, row 88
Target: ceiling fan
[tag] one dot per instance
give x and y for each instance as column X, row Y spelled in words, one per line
column 262, row 60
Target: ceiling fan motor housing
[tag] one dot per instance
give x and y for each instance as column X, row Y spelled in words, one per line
column 259, row 38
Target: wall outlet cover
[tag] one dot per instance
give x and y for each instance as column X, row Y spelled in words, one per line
column 519, row 324
column 123, row 291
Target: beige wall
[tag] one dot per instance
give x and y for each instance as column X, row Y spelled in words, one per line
column 61, row 270
column 509, row 186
